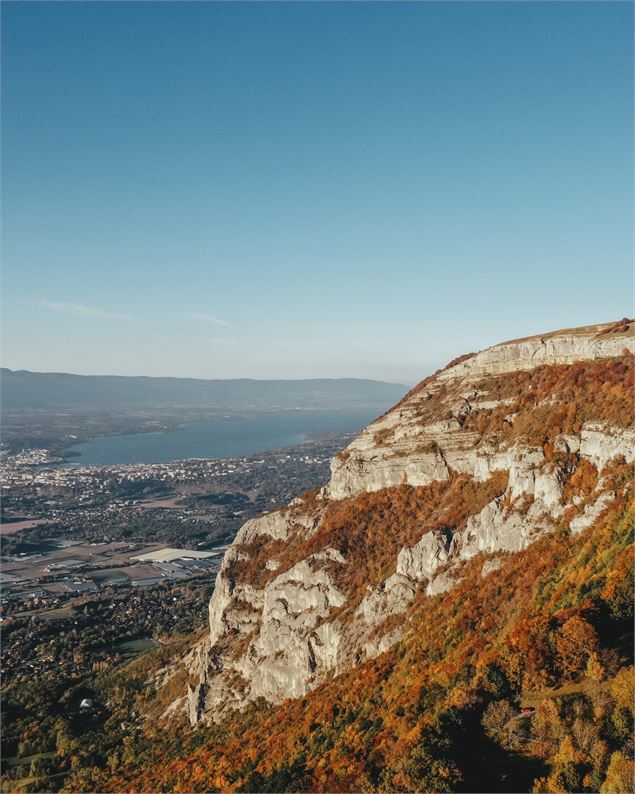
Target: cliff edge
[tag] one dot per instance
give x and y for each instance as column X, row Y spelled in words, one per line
column 481, row 458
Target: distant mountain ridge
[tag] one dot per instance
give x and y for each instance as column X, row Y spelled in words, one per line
column 24, row 389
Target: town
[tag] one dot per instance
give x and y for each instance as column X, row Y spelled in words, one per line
column 102, row 565
column 76, row 538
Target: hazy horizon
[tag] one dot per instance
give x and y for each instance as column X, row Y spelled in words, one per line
column 178, row 377
column 292, row 191
column 98, row 374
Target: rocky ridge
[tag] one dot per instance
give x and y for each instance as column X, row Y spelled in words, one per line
column 528, row 429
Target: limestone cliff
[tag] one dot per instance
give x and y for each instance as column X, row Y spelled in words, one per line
column 481, row 458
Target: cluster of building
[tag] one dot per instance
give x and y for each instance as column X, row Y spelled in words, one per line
column 40, row 468
column 28, row 457
column 69, row 529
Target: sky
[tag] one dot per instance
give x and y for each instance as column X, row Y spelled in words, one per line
column 304, row 190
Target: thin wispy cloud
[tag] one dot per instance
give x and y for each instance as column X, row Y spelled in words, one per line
column 80, row 310
column 208, row 318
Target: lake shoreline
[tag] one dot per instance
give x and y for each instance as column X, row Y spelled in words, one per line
column 223, row 437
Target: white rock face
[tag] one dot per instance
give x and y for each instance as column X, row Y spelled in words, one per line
column 285, row 638
column 496, row 528
column 599, row 444
column 567, row 443
column 372, row 472
column 440, row 584
column 275, row 524
column 422, row 560
column 490, row 565
column 220, row 600
column 536, row 351
column 282, row 657
column 396, row 448
column 388, row 597
column 592, row 512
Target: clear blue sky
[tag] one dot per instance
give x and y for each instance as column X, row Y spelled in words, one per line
column 299, row 190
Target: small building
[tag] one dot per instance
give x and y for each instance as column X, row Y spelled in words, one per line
column 147, row 582
column 79, row 587
column 86, row 703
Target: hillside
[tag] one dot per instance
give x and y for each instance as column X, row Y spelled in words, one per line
column 23, row 389
column 471, row 554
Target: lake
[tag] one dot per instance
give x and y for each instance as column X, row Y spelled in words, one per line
column 221, row 438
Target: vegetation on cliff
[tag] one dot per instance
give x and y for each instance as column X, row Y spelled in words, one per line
column 517, row 678
column 551, row 630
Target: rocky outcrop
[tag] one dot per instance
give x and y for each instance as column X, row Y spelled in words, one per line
column 558, row 347
column 399, row 447
column 292, row 642
column 592, row 512
column 600, row 443
column 300, row 620
column 421, row 561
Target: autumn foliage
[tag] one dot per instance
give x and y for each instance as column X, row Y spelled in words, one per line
column 371, row 529
column 550, row 631
column 438, row 711
column 550, row 400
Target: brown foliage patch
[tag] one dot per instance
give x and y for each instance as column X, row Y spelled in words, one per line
column 552, row 400
column 371, row 528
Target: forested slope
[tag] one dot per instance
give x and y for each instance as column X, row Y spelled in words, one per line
column 550, row 629
column 453, row 611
